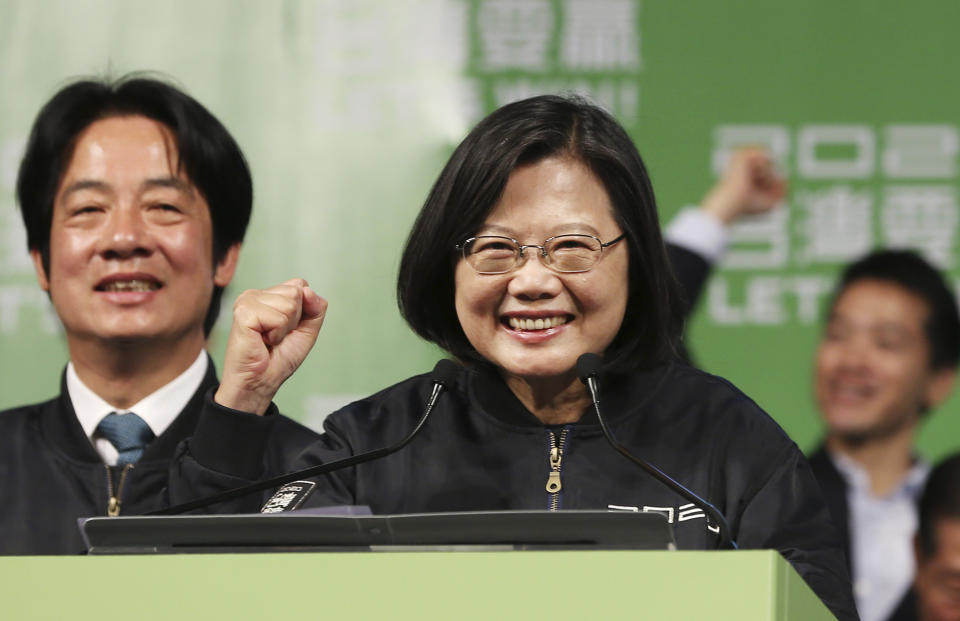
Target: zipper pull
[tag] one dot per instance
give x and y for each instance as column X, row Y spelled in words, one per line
column 553, row 482
column 113, row 507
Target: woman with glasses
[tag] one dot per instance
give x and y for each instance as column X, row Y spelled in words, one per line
column 539, row 242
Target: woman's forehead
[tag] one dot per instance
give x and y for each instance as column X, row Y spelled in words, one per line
column 551, row 197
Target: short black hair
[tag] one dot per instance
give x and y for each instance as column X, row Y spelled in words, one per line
column 206, row 151
column 940, row 499
column 914, row 274
column 471, row 183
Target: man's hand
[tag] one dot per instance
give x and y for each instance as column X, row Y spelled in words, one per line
column 272, row 333
column 750, row 185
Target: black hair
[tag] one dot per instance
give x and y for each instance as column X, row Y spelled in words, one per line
column 470, row 185
column 940, row 499
column 206, row 152
column 908, row 270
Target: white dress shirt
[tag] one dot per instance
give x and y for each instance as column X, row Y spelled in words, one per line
column 158, row 409
column 881, row 537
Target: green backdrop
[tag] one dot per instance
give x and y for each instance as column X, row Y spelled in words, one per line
column 347, row 109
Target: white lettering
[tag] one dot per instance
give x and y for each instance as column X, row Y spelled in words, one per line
column 664, row 511
column 759, row 242
column 618, row 96
column 835, row 224
column 920, row 151
column 766, row 300
column 600, row 35
column 515, row 34
column 814, row 165
column 923, row 217
column 728, row 138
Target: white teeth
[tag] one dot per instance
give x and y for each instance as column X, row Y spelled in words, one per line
column 853, row 391
column 131, row 285
column 536, row 324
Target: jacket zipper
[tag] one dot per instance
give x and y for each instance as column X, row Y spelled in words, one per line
column 555, row 457
column 113, row 505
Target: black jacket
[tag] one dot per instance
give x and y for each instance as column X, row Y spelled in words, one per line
column 691, row 271
column 834, row 488
column 50, row 473
column 483, row 450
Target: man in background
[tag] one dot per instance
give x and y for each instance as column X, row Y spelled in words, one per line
column 937, row 546
column 887, row 357
column 135, row 200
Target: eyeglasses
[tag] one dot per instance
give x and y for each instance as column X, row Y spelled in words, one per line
column 493, row 254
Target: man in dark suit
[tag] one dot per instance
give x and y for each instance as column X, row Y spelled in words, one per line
column 135, row 200
column 887, row 357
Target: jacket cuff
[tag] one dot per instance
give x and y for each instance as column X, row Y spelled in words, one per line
column 230, row 441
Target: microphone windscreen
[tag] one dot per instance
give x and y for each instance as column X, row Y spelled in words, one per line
column 588, row 365
column 445, row 372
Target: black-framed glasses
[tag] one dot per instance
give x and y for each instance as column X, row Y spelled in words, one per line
column 495, row 254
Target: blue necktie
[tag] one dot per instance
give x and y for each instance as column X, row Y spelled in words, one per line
column 128, row 433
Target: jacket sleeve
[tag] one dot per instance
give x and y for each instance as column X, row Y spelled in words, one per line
column 692, row 271
column 788, row 514
column 230, row 449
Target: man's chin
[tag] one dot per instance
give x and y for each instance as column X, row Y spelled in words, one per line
column 857, row 435
column 129, row 340
column 125, row 336
column 129, row 331
column 855, row 438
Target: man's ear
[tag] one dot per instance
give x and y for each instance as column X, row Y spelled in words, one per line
column 42, row 279
column 940, row 386
column 226, row 266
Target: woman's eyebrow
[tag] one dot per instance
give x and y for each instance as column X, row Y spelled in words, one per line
column 573, row 227
column 558, row 229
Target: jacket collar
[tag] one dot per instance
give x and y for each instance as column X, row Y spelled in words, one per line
column 621, row 396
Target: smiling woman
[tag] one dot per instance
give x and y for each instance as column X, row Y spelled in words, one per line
column 533, row 321
column 538, row 243
column 558, row 166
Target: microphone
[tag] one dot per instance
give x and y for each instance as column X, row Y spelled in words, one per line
column 588, row 369
column 443, row 376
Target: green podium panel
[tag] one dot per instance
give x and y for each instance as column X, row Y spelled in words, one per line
column 489, row 586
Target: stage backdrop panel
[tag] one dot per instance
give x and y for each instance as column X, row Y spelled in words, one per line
column 347, row 110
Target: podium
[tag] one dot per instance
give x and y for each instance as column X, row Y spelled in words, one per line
column 488, row 566
column 483, row 586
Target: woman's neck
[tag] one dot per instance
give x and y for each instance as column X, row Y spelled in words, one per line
column 553, row 400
